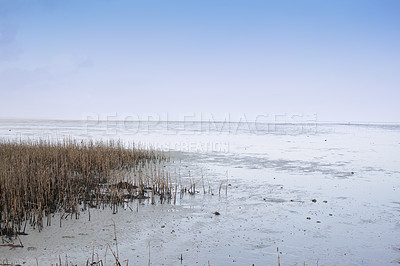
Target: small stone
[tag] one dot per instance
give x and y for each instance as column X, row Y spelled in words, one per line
column 217, row 213
column 314, row 200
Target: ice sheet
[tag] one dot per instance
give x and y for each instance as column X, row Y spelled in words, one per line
column 274, row 171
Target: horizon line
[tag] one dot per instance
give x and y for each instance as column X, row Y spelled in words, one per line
column 203, row 121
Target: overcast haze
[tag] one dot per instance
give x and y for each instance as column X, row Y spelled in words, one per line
column 338, row 60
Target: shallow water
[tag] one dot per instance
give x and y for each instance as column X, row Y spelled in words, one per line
column 269, row 175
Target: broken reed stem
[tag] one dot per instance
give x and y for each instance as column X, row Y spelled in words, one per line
column 279, row 261
column 115, row 256
column 116, row 241
column 226, row 186
column 105, row 255
column 149, row 253
column 92, row 252
column 202, row 179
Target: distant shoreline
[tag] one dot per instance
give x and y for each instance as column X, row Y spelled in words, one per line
column 351, row 123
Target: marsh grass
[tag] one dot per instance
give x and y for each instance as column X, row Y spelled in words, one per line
column 41, row 177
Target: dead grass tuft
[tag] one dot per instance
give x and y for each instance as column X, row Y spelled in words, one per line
column 39, row 178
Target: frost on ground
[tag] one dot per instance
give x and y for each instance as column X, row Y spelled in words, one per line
column 326, row 195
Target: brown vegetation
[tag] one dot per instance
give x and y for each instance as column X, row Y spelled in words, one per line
column 39, row 178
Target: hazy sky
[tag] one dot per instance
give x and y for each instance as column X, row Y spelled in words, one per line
column 337, row 59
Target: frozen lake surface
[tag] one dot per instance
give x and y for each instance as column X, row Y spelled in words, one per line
column 324, row 194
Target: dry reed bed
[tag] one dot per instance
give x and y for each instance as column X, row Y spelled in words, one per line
column 39, row 178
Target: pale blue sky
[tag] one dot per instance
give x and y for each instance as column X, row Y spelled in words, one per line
column 67, row 59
